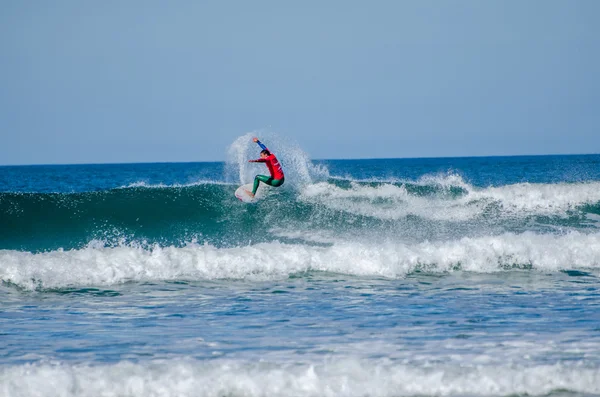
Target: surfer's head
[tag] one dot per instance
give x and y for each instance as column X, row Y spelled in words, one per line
column 265, row 153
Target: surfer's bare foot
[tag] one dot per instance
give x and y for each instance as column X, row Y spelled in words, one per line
column 250, row 193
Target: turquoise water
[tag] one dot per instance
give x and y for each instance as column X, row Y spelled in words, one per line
column 399, row 277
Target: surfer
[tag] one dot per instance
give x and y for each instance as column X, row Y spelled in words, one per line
column 277, row 178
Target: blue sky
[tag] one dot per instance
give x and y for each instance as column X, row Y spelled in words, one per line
column 151, row 81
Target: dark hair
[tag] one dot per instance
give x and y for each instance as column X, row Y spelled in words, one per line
column 266, row 152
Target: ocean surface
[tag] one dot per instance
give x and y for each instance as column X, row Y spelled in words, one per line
column 395, row 277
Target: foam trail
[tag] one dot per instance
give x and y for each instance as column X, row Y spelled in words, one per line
column 142, row 184
column 347, row 377
column 95, row 265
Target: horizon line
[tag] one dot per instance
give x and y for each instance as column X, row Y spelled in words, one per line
column 320, row 159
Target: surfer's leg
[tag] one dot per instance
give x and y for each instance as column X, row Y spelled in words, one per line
column 268, row 180
column 258, row 179
column 277, row 182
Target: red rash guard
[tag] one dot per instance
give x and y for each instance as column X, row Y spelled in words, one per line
column 273, row 166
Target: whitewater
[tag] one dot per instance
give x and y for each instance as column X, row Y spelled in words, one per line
column 382, row 277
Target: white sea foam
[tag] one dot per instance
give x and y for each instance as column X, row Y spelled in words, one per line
column 592, row 220
column 387, row 201
column 345, row 377
column 143, row 184
column 313, row 236
column 391, row 201
column 541, row 198
column 97, row 265
column 445, row 180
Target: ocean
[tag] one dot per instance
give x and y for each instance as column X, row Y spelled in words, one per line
column 386, row 277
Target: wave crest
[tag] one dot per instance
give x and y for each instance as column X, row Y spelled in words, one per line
column 98, row 265
column 347, row 377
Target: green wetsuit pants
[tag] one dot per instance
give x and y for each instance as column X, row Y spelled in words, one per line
column 268, row 180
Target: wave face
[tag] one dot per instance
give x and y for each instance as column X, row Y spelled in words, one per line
column 432, row 208
column 47, row 221
column 99, row 265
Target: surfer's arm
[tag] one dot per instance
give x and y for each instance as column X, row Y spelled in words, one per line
column 263, row 147
column 257, row 161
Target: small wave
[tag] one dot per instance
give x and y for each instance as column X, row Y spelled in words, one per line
column 98, row 265
column 447, row 180
column 541, row 198
column 342, row 377
column 385, row 201
column 457, row 201
column 42, row 221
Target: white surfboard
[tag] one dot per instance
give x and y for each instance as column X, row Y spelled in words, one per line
column 244, row 193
